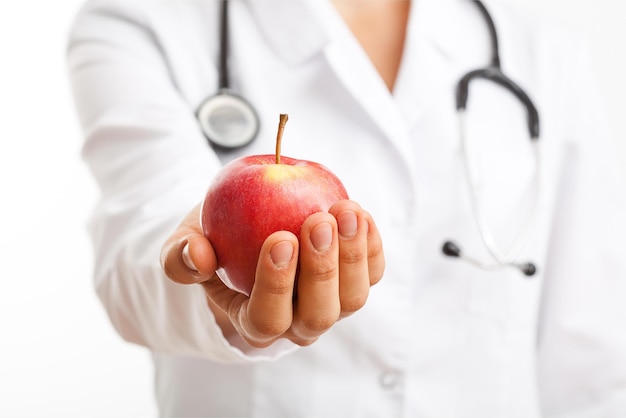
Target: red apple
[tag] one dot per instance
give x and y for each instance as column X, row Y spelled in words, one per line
column 254, row 196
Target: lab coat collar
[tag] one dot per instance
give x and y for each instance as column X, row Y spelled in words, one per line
column 294, row 28
column 298, row 29
column 445, row 39
column 440, row 44
column 455, row 30
column 442, row 23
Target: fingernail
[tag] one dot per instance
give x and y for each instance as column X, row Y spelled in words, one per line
column 347, row 224
column 187, row 258
column 322, row 236
column 281, row 253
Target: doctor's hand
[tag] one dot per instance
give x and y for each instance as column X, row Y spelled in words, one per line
column 339, row 257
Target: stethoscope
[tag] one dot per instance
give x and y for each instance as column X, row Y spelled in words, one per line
column 229, row 121
column 493, row 72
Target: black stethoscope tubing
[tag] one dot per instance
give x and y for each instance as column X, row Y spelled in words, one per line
column 223, row 71
column 493, row 72
column 228, row 121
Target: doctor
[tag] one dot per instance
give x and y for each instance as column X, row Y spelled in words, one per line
column 370, row 90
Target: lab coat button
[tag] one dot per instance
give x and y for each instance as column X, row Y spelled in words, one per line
column 388, row 380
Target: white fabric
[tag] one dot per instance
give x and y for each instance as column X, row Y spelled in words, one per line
column 438, row 337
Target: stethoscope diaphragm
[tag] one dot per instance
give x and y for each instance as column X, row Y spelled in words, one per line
column 228, row 120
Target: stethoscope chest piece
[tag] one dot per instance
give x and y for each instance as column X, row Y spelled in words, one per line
column 228, row 120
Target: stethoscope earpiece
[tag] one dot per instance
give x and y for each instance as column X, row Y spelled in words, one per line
column 451, row 249
column 528, row 269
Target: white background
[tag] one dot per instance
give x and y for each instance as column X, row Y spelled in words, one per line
column 58, row 354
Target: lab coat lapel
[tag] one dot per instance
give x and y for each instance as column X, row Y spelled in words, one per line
column 424, row 63
column 292, row 27
column 435, row 52
column 300, row 29
column 358, row 75
column 444, row 40
column 441, row 45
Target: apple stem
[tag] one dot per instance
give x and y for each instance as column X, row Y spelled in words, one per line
column 279, row 136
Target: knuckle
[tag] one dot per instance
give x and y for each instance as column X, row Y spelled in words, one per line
column 377, row 271
column 317, row 325
column 375, row 249
column 352, row 256
column 323, row 272
column 166, row 264
column 173, row 266
column 303, row 342
column 269, row 329
column 277, row 286
column 258, row 344
column 353, row 304
column 375, row 278
column 169, row 269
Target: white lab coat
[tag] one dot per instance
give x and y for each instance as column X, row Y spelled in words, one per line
column 438, row 337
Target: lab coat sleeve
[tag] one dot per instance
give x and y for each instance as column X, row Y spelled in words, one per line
column 582, row 340
column 152, row 165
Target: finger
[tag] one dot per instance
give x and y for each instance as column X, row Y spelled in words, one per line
column 269, row 311
column 317, row 306
column 220, row 298
column 189, row 260
column 375, row 252
column 187, row 256
column 354, row 277
column 223, row 300
column 200, row 255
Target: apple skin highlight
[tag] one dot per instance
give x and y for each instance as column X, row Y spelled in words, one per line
column 253, row 197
